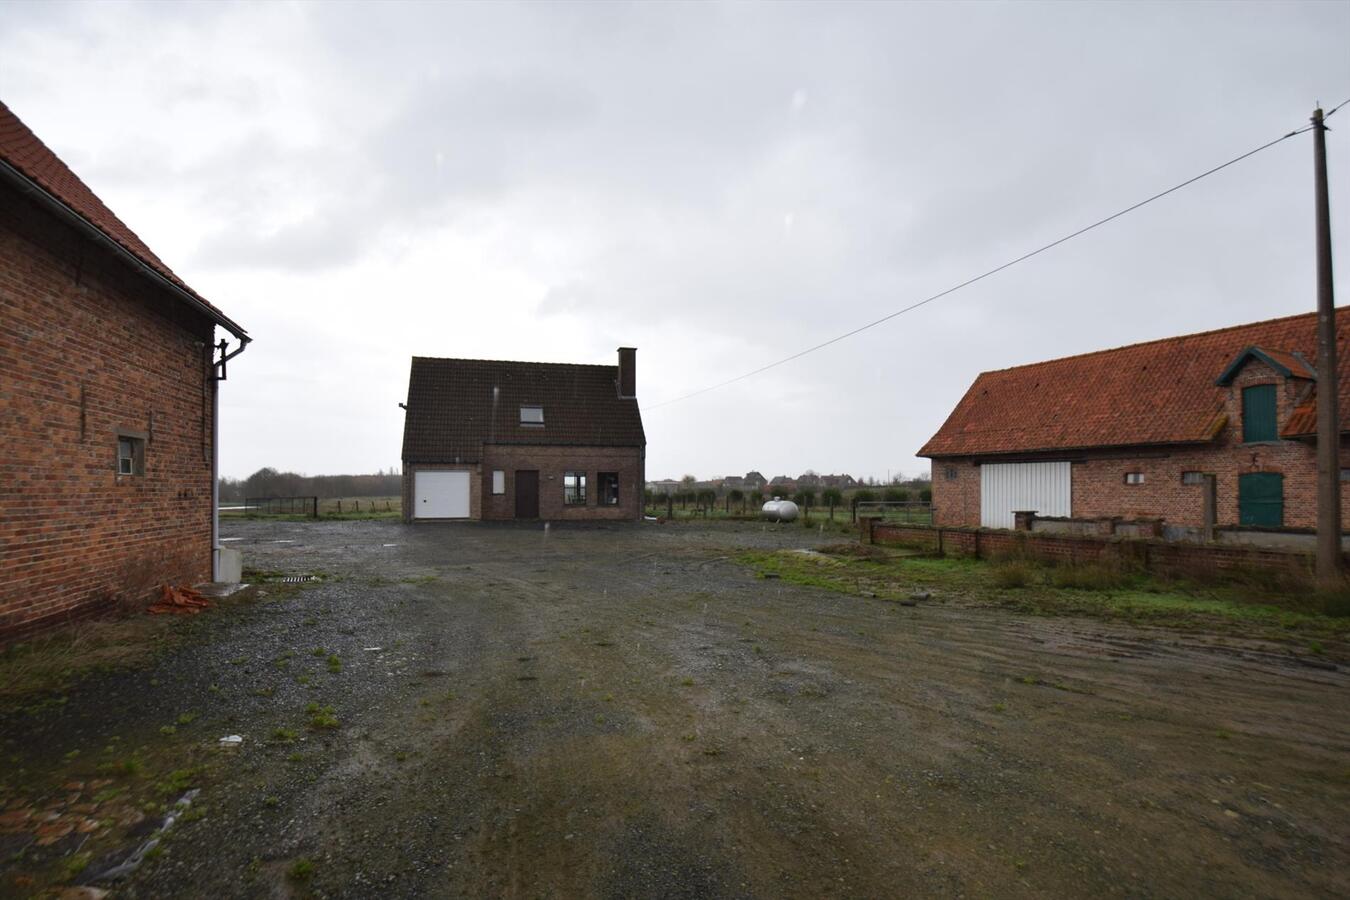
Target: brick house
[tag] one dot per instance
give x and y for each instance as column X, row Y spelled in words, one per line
column 107, row 402
column 1145, row 431
column 497, row 440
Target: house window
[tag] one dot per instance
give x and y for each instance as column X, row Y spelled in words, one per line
column 1345, row 474
column 498, row 481
column 532, row 415
column 1258, row 414
column 609, row 488
column 130, row 455
column 1192, row 477
column 574, row 488
column 1134, row 477
column 949, row 473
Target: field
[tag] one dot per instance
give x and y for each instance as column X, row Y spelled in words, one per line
column 714, row 709
column 329, row 508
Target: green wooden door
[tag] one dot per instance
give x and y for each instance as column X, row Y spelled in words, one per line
column 1261, row 499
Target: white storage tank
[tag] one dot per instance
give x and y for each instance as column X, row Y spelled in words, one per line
column 779, row 510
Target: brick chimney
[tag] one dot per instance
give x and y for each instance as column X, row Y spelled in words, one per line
column 627, row 373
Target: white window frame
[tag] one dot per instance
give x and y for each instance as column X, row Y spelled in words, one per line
column 498, row 481
column 131, row 462
column 1134, row 478
column 528, row 412
column 574, row 494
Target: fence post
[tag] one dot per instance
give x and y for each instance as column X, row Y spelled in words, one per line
column 831, row 509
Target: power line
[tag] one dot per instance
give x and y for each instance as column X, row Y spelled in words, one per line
column 994, row 271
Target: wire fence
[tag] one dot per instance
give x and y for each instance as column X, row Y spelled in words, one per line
column 282, row 506
column 911, row 512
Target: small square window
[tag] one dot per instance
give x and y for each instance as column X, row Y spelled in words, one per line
column 949, row 473
column 532, row 415
column 130, row 455
column 609, row 488
column 498, row 481
column 574, row 488
column 1345, row 474
column 1192, row 477
column 1134, row 477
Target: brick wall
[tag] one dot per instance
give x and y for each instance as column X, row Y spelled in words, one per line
column 88, row 347
column 552, row 462
column 1099, row 488
column 1154, row 555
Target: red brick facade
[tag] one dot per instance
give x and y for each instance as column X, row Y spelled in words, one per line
column 551, row 463
column 88, row 348
column 1098, row 487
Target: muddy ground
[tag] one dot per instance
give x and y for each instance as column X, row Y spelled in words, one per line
column 628, row 712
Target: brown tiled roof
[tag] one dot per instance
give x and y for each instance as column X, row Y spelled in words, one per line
column 22, row 151
column 457, row 405
column 1160, row 392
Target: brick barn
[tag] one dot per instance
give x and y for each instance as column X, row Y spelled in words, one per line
column 496, row 440
column 108, row 382
column 1145, row 431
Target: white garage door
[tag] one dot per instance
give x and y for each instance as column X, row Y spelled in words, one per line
column 1040, row 487
column 441, row 495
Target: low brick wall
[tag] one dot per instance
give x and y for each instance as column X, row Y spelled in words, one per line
column 1154, row 555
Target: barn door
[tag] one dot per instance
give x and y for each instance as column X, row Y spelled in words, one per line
column 1042, row 487
column 1261, row 499
column 527, row 494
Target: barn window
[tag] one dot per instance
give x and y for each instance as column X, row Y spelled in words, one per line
column 1345, row 474
column 1258, row 414
column 1192, row 477
column 949, row 473
column 130, row 454
column 609, row 488
column 1134, row 477
column 574, row 488
column 532, row 415
column 498, row 481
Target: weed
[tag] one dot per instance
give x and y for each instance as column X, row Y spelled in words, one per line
column 1013, row 573
column 75, row 865
column 400, row 756
column 301, row 870
column 284, row 735
column 304, row 679
column 687, row 682
column 178, row 781
column 264, row 691
column 238, row 661
column 599, row 720
column 187, row 718
column 1223, row 735
column 295, row 757
column 321, row 716
column 688, row 737
column 318, row 651
column 999, row 707
column 334, row 664
column 168, row 730
column 1316, row 647
column 214, row 689
column 271, row 801
column 1095, row 577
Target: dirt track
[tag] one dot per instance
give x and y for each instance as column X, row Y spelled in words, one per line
column 628, row 712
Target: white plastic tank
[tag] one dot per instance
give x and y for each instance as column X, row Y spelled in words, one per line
column 779, row 510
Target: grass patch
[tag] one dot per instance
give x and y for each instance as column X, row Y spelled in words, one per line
column 1260, row 604
column 321, row 717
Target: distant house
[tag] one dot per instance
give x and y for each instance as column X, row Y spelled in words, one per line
column 108, row 392
column 1138, row 431
column 664, row 486
column 754, row 480
column 488, row 439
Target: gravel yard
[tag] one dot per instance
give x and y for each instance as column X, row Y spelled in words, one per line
column 470, row 710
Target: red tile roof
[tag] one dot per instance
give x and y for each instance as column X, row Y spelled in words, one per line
column 1159, row 392
column 457, row 405
column 25, row 153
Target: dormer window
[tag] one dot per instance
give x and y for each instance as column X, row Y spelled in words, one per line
column 1258, row 414
column 532, row 415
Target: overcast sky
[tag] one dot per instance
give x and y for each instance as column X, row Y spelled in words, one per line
column 718, row 185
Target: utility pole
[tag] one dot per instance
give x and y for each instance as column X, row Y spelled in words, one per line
column 1329, row 566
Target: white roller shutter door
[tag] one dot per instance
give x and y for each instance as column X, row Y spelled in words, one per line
column 1004, row 487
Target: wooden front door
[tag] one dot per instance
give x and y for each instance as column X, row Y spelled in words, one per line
column 1261, row 499
column 527, row 493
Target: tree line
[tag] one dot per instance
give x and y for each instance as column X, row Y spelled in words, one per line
column 268, row 482
column 805, row 497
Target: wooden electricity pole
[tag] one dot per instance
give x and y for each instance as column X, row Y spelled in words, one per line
column 1328, row 417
